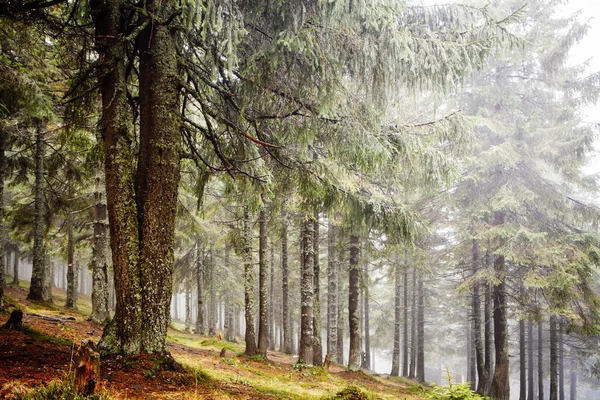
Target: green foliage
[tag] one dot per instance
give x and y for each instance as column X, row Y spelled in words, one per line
column 40, row 336
column 454, row 391
column 59, row 390
column 349, row 393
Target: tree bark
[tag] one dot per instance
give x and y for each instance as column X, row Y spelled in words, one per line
column 413, row 326
column 285, row 313
column 540, row 362
column 500, row 384
column 530, row 380
column 272, row 326
column 37, row 289
column 71, row 268
column 341, row 306
column 250, row 336
column 573, row 383
column 522, row 362
column 15, row 280
column 487, row 340
column 561, row 363
column 405, row 319
column 397, row 321
column 420, row 330
column 479, row 351
column 307, row 292
column 2, row 230
column 263, row 295
column 209, row 282
column 188, row 307
column 99, row 248
column 553, row 358
column 332, row 293
column 199, row 270
column 366, row 315
column 353, row 310
column 317, row 345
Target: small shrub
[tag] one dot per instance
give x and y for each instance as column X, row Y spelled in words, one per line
column 454, row 391
column 350, row 393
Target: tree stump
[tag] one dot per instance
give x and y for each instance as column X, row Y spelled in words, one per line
column 15, row 322
column 223, row 352
column 327, row 362
column 87, row 368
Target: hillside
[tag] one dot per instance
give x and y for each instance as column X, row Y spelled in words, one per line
column 36, row 363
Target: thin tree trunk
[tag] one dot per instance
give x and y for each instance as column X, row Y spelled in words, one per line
column 540, row 362
column 413, row 326
column 487, row 336
column 397, row 321
column 15, row 280
column 2, row 230
column 199, row 287
column 250, row 336
column 573, row 383
column 405, row 327
column 317, row 345
column 341, row 306
column 332, row 294
column 561, row 363
column 479, row 351
column 530, row 370
column 212, row 291
column 553, row 358
column 272, row 328
column 306, row 292
column 420, row 330
column 263, row 295
column 100, row 293
column 366, row 316
column 36, row 289
column 188, row 307
column 353, row 310
column 500, row 384
column 471, row 354
column 285, row 313
column 71, row 273
column 522, row 362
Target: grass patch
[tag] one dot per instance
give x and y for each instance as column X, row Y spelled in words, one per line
column 63, row 389
column 42, row 337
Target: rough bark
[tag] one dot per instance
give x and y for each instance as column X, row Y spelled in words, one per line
column 530, row 370
column 500, row 384
column 2, row 230
column 479, row 351
column 522, row 362
column 188, row 307
column 272, row 329
column 209, row 282
column 72, row 273
column 263, row 295
column 561, row 363
column 317, row 345
column 15, row 321
column 16, row 257
column 471, row 354
column 487, row 337
column 199, row 270
column 420, row 330
column 573, row 382
column 307, row 292
column 285, row 314
column 540, row 361
column 250, row 336
column 397, row 321
column 37, row 288
column 87, row 368
column 412, row 368
column 341, row 307
column 405, row 319
column 366, row 315
column 332, row 298
column 99, row 249
column 553, row 358
column 353, row 310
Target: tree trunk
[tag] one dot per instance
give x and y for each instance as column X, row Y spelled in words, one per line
column 71, row 270
column 353, row 311
column 530, row 382
column 2, row 230
column 471, row 354
column 479, row 351
column 87, row 368
column 285, row 313
column 332, row 292
column 553, row 358
column 99, row 249
column 405, row 319
column 540, row 362
column 573, row 383
column 413, row 326
column 341, row 306
column 366, row 316
column 397, row 322
column 272, row 329
column 487, row 340
column 561, row 363
column 263, row 295
column 37, row 288
column 209, row 276
column 522, row 362
column 250, row 336
column 317, row 345
column 200, row 330
column 188, row 307
column 500, row 384
column 307, row 292
column 420, row 331
column 15, row 280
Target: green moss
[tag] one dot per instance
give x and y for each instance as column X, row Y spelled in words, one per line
column 42, row 337
column 349, row 393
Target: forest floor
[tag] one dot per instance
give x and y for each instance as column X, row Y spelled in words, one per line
column 36, row 362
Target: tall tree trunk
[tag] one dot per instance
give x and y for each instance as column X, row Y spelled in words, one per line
column 405, row 319
column 420, row 330
column 15, row 280
column 332, row 292
column 199, row 270
column 573, row 383
column 522, row 362
column 188, row 307
column 263, row 295
column 553, row 358
column 353, row 311
column 250, row 336
column 540, row 361
column 2, row 230
column 317, row 345
column 413, row 326
column 487, row 336
column 38, row 273
column 530, row 380
column 212, row 290
column 500, row 384
column 272, row 326
column 341, row 326
column 366, row 315
column 306, row 292
column 397, row 321
column 99, row 249
column 561, row 363
column 479, row 351
column 71, row 269
column 471, row 354
column 285, row 311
